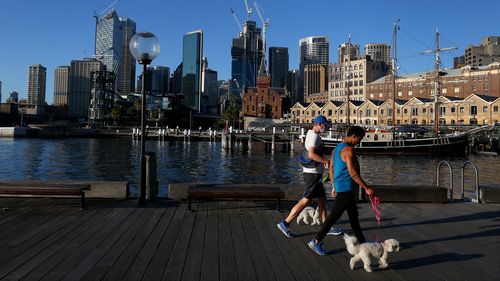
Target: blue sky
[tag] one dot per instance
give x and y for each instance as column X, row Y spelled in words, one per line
column 54, row 32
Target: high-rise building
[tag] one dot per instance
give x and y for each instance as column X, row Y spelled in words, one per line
column 157, row 85
column 128, row 63
column 246, row 56
column 485, row 53
column 312, row 50
column 379, row 52
column 192, row 52
column 102, row 97
column 175, row 86
column 61, row 85
column 13, row 97
column 80, row 86
column 314, row 79
column 37, row 76
column 278, row 66
column 292, row 85
column 209, row 89
column 108, row 43
column 344, row 52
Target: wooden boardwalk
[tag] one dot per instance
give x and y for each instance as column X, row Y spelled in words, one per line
column 50, row 239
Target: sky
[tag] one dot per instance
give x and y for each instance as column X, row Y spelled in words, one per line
column 54, row 32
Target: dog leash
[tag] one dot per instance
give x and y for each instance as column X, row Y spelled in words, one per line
column 375, row 201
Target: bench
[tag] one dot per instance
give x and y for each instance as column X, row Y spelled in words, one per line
column 207, row 192
column 45, row 189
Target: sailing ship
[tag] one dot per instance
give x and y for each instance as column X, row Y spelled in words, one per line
column 394, row 142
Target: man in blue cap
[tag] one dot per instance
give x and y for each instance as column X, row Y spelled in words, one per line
column 313, row 168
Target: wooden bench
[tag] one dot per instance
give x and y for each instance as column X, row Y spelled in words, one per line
column 45, row 189
column 205, row 192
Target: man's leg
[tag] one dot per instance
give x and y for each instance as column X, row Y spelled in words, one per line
column 338, row 209
column 322, row 208
column 294, row 213
column 352, row 212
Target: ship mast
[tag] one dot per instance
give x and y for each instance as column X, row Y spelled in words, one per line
column 437, row 89
column 394, row 73
column 348, row 79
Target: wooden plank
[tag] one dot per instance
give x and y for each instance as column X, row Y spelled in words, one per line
column 135, row 260
column 164, row 250
column 257, row 252
column 227, row 261
column 210, row 261
column 194, row 258
column 177, row 259
column 244, row 263
column 125, row 230
column 41, row 252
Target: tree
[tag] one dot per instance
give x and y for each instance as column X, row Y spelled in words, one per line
column 232, row 112
column 115, row 114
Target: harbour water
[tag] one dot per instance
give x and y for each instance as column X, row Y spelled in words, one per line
column 207, row 162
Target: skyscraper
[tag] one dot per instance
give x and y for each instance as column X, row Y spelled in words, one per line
column 278, row 66
column 209, row 89
column 246, row 54
column 379, row 52
column 37, row 76
column 108, row 43
column 127, row 65
column 175, row 86
column 192, row 52
column 312, row 50
column 344, row 52
column 80, row 86
column 61, row 85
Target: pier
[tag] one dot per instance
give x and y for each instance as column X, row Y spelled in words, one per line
column 50, row 239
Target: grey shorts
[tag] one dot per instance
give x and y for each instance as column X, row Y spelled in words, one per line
column 313, row 186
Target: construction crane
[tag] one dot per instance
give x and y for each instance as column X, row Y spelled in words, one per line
column 249, row 10
column 265, row 24
column 237, row 20
column 240, row 89
column 105, row 11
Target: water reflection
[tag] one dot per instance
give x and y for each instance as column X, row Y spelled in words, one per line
column 208, row 162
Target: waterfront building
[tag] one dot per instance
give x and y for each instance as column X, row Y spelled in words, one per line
column 292, row 85
column 385, row 112
column 344, row 52
column 175, row 86
column 312, row 50
column 362, row 71
column 367, row 112
column 37, row 76
column 192, row 52
column 109, row 43
column 246, row 56
column 61, row 85
column 127, row 62
column 315, row 81
column 461, row 82
column 379, row 52
column 278, row 66
column 209, row 89
column 263, row 101
column 13, row 97
column 80, row 86
column 487, row 52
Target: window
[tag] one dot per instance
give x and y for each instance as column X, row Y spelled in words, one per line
column 248, row 108
column 410, row 93
column 313, row 113
column 495, row 108
column 456, row 90
column 262, row 98
column 368, row 112
column 400, row 93
column 443, row 91
column 452, row 109
column 424, row 110
column 473, row 111
column 251, row 98
column 381, row 112
column 462, row 110
column 405, row 111
column 414, row 111
column 442, row 110
column 485, row 109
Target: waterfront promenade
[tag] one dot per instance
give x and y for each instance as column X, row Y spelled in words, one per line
column 51, row 239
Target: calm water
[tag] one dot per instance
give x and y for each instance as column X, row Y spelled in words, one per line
column 118, row 159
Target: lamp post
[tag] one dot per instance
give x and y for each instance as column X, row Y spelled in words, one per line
column 144, row 47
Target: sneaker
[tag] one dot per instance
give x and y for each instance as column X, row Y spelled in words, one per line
column 335, row 230
column 285, row 229
column 317, row 247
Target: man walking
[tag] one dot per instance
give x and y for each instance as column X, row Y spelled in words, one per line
column 346, row 177
column 313, row 168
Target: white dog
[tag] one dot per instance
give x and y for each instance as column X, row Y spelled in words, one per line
column 309, row 212
column 377, row 250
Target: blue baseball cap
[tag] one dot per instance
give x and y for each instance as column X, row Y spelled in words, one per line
column 320, row 119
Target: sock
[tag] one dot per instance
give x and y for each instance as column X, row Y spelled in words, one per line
column 286, row 224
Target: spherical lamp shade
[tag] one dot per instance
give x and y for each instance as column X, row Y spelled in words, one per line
column 144, row 46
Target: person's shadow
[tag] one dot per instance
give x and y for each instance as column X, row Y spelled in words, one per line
column 434, row 259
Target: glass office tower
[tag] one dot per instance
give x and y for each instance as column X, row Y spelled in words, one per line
column 278, row 66
column 128, row 63
column 312, row 50
column 192, row 53
column 108, row 43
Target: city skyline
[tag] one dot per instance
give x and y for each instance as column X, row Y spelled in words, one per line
column 55, row 33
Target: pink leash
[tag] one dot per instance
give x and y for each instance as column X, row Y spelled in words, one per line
column 376, row 210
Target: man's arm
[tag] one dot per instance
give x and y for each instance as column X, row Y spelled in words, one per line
column 315, row 156
column 330, row 172
column 353, row 167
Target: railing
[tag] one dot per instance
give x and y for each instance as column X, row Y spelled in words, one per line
column 438, row 174
column 476, row 188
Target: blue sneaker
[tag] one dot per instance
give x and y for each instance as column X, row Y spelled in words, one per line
column 335, row 230
column 317, row 247
column 285, row 229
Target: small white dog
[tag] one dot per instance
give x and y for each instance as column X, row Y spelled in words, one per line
column 377, row 250
column 309, row 212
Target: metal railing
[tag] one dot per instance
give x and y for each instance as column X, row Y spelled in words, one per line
column 438, row 176
column 476, row 188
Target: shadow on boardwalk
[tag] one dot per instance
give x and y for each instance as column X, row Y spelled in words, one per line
column 50, row 239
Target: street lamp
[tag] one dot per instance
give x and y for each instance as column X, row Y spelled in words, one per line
column 144, row 46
